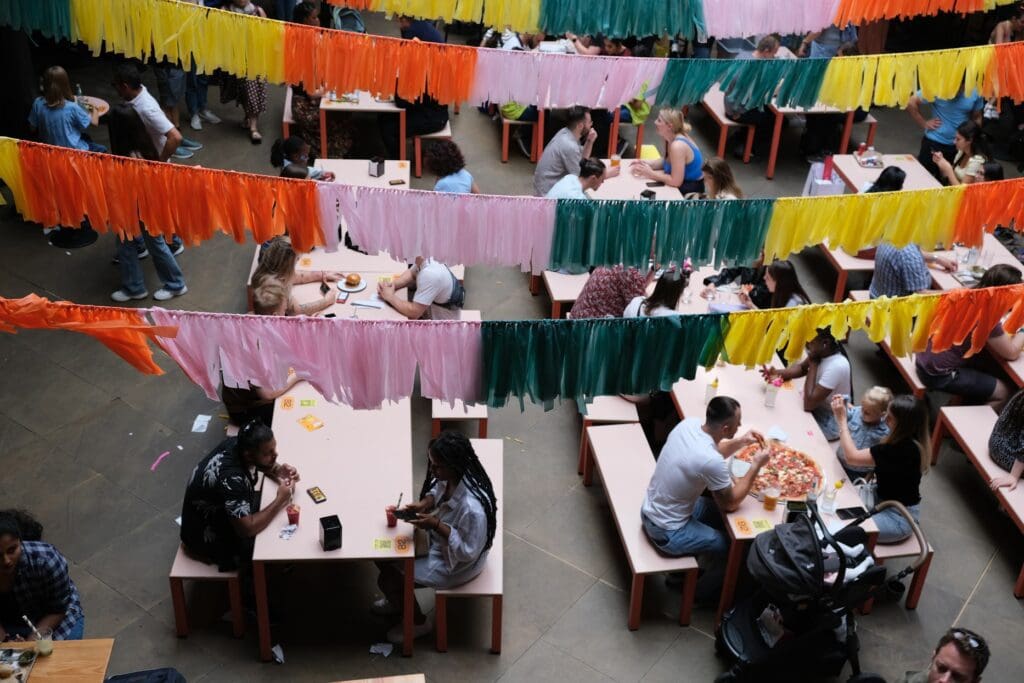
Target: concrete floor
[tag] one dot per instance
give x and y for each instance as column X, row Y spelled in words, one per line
column 79, row 430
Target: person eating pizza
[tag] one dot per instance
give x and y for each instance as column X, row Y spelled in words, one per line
column 676, row 518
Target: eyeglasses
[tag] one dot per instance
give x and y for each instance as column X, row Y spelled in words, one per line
column 966, row 638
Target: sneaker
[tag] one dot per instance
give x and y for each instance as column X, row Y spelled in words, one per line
column 196, row 122
column 177, row 248
column 191, row 144
column 521, row 144
column 182, row 153
column 122, row 296
column 382, row 608
column 164, row 294
column 418, row 630
column 209, row 116
column 143, row 253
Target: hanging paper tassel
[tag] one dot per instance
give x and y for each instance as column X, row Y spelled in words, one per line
column 975, row 313
column 604, row 233
column 863, row 11
column 1008, row 66
column 52, row 18
column 985, row 207
column 713, row 232
column 752, row 83
column 122, row 330
column 624, row 18
column 758, row 17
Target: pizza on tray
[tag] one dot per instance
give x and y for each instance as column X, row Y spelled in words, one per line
column 793, row 473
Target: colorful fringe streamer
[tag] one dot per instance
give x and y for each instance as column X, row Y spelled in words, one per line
column 751, row 82
column 863, row 11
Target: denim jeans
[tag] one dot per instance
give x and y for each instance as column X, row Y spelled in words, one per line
column 892, row 527
column 163, row 260
column 196, row 87
column 704, row 532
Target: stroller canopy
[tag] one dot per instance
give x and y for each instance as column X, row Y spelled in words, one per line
column 788, row 560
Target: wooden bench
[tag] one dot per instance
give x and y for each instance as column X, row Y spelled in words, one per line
column 441, row 412
column 844, row 264
column 417, row 146
column 490, row 582
column 287, row 120
column 506, row 131
column 603, row 410
column 188, row 568
column 971, row 426
column 907, row 548
column 563, row 289
column 904, row 364
column 714, row 105
column 626, row 464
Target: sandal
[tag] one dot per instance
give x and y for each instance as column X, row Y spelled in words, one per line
column 255, row 137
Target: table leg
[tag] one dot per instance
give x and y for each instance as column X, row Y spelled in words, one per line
column 1018, row 588
column 540, row 133
column 847, row 132
column 840, row 286
column 613, row 131
column 732, row 575
column 938, row 434
column 556, row 310
column 401, row 135
column 323, row 134
column 407, row 611
column 773, row 155
column 259, row 585
column 535, row 281
column 636, row 601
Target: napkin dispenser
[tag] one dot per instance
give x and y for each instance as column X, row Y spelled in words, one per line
column 330, row 532
column 376, row 167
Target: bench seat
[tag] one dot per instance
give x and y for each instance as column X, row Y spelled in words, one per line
column 714, row 105
column 626, row 464
column 188, row 568
column 602, row 410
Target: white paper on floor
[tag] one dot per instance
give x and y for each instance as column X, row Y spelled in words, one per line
column 278, row 653
column 381, row 649
column 201, row 423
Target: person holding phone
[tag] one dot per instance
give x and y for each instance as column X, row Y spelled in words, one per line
column 458, row 509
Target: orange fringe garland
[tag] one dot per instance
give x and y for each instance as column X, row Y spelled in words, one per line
column 1008, row 67
column 975, row 312
column 122, row 330
column 863, row 11
column 64, row 186
column 984, row 207
column 352, row 61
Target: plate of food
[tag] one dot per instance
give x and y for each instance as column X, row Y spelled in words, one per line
column 793, row 473
column 352, row 283
column 15, row 664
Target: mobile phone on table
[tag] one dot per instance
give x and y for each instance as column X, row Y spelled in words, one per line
column 655, row 183
column 316, row 494
column 330, row 315
column 396, row 181
column 647, row 194
column 850, row 513
column 342, row 297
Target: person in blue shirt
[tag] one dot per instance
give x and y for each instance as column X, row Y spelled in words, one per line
column 940, row 129
column 57, row 118
column 294, row 151
column 444, row 159
column 419, row 28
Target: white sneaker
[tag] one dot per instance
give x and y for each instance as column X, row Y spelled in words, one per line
column 196, row 122
column 382, row 608
column 164, row 294
column 122, row 296
column 209, row 116
column 418, row 630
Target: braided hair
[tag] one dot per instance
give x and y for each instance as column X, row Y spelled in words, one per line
column 453, row 450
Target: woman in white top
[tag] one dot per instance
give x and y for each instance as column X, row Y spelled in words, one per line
column 971, row 154
column 719, row 182
column 663, row 300
column 781, row 280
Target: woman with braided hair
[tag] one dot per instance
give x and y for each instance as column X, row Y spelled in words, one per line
column 458, row 509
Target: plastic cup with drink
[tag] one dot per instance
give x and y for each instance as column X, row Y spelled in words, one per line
column 293, row 513
column 44, row 642
column 616, row 159
column 771, row 498
column 389, row 510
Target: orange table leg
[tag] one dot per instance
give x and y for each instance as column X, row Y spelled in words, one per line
column 556, row 310
column 847, row 132
column 504, row 141
column 613, row 131
column 917, row 583
column 435, row 428
column 689, row 590
column 540, row 132
column 636, row 601
column 773, row 155
column 407, row 610
column 723, row 138
column 323, row 134
column 584, row 447
column 938, row 434
column 481, row 428
column 496, row 612
column 401, row 135
column 535, row 284
column 441, row 622
column 840, row 286
column 732, row 575
column 1018, row 588
column 180, row 608
column 259, row 585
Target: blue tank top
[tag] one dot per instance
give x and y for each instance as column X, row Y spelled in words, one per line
column 692, row 171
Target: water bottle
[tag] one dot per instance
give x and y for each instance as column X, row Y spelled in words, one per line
column 828, row 500
column 78, row 93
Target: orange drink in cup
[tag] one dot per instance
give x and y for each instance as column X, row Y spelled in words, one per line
column 771, row 498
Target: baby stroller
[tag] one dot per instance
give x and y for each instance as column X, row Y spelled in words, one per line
column 800, row 623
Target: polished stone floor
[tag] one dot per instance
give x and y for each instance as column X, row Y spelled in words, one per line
column 79, row 430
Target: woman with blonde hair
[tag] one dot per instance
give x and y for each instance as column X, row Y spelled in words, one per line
column 682, row 167
column 899, row 461
column 719, row 181
column 278, row 261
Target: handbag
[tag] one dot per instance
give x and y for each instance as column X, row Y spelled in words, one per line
column 868, row 492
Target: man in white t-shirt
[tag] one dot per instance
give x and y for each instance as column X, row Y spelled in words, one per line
column 438, row 296
column 128, row 83
column 676, row 518
column 827, row 371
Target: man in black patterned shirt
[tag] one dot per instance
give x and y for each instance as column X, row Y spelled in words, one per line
column 220, row 516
